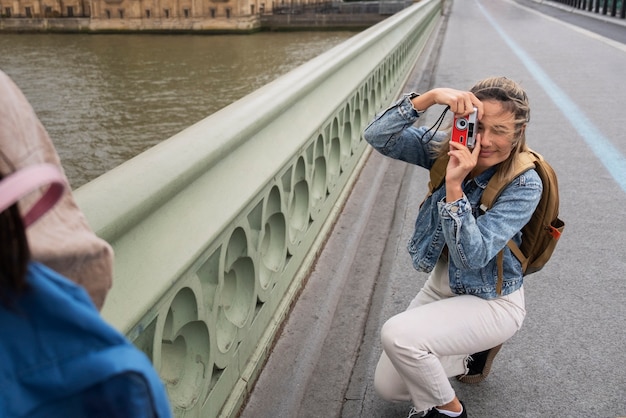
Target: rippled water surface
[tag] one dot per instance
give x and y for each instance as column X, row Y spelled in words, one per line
column 106, row 98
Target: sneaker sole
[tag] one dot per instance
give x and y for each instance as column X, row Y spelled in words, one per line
column 477, row 378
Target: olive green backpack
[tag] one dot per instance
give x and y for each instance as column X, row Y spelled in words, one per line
column 541, row 234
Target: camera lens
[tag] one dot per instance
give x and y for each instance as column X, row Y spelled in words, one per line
column 461, row 124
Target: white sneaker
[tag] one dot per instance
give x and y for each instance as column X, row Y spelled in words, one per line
column 414, row 413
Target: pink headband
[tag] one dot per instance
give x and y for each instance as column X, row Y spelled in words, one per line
column 26, row 180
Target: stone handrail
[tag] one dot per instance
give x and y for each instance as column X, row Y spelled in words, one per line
column 216, row 228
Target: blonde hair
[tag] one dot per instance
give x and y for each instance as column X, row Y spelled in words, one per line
column 513, row 99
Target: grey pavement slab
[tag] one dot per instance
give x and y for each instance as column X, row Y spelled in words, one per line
column 569, row 358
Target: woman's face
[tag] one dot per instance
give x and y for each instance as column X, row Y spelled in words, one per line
column 497, row 130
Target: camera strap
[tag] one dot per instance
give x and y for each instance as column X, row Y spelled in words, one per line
column 435, row 126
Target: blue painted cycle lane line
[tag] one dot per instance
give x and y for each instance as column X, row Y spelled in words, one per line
column 567, row 359
column 602, row 147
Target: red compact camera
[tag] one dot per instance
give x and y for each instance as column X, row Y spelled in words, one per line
column 465, row 129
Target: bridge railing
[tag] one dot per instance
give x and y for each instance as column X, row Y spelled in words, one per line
column 216, row 229
column 614, row 8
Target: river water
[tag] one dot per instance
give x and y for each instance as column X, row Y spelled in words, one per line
column 106, row 98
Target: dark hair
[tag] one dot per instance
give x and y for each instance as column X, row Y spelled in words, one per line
column 14, row 254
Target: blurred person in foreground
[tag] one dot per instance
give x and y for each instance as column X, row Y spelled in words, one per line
column 62, row 240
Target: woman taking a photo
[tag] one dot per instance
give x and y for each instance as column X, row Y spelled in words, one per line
column 460, row 310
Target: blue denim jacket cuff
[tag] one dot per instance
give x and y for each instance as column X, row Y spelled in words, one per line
column 455, row 209
column 406, row 109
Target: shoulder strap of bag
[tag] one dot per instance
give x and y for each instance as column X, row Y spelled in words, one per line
column 524, row 161
column 26, row 180
column 438, row 173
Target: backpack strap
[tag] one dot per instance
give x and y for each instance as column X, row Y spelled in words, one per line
column 25, row 181
column 523, row 162
column 437, row 175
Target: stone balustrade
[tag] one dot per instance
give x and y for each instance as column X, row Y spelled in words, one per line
column 216, row 228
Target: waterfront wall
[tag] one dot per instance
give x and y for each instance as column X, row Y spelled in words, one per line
column 316, row 21
column 216, row 229
column 332, row 15
column 45, row 25
column 73, row 25
column 220, row 25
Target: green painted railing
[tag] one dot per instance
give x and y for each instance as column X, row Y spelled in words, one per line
column 216, row 228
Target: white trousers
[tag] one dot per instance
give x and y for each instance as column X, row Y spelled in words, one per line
column 430, row 341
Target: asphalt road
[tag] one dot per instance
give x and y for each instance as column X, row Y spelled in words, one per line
column 605, row 25
column 569, row 358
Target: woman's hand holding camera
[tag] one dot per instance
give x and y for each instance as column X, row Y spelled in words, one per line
column 462, row 159
column 462, row 162
column 460, row 102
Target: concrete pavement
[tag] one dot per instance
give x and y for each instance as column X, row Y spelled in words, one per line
column 569, row 358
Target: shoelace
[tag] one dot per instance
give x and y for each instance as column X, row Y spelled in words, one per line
column 414, row 413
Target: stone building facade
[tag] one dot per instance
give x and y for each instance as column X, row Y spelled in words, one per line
column 139, row 15
column 176, row 14
column 37, row 9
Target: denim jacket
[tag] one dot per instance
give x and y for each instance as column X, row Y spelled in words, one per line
column 473, row 238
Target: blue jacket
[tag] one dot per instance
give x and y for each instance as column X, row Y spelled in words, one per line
column 60, row 359
column 473, row 239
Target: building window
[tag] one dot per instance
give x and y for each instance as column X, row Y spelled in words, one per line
column 212, row 10
column 252, row 9
column 7, row 11
column 108, row 13
column 148, row 13
column 70, row 11
column 228, row 13
column 167, row 13
column 47, row 11
column 186, row 13
column 121, row 13
column 29, row 13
